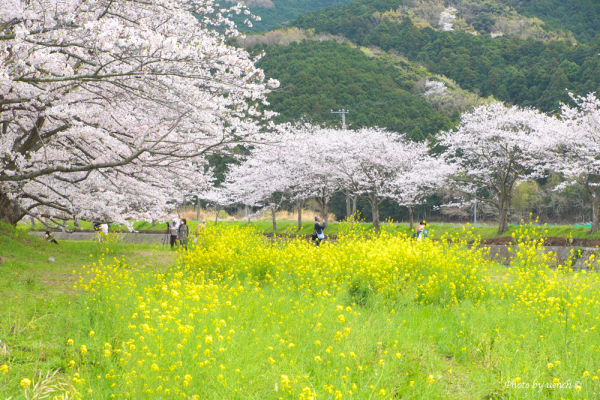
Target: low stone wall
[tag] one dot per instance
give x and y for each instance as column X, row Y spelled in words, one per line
column 134, row 238
column 501, row 254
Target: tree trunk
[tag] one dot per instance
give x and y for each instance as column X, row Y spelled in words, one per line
column 595, row 212
column 198, row 209
column 323, row 205
column 503, row 204
column 32, row 221
column 153, row 222
column 503, row 217
column 354, row 200
column 411, row 216
column 375, row 212
column 348, row 208
column 324, row 208
column 274, row 215
column 216, row 214
column 503, row 220
column 10, row 213
column 300, row 204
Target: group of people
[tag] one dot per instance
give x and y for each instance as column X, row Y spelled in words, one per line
column 421, row 231
column 179, row 231
column 318, row 236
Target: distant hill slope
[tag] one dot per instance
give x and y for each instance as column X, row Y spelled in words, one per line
column 582, row 17
column 541, row 19
column 317, row 77
column 525, row 72
column 275, row 13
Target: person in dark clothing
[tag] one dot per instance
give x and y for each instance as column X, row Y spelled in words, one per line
column 48, row 238
column 318, row 236
column 183, row 233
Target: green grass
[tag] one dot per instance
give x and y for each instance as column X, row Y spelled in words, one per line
column 290, row 227
column 470, row 349
column 241, row 318
column 35, row 295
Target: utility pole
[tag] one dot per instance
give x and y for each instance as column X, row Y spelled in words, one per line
column 343, row 112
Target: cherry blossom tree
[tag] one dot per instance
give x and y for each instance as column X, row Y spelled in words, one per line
column 115, row 92
column 576, row 147
column 493, row 148
column 260, row 180
column 423, row 177
column 314, row 162
column 368, row 161
column 286, row 169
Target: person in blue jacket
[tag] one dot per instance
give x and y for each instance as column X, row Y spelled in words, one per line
column 318, row 236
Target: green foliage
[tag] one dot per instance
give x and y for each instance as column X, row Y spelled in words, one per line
column 283, row 11
column 580, row 17
column 317, row 77
column 524, row 72
column 37, row 295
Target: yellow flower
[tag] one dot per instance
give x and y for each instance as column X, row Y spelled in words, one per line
column 92, row 333
column 83, row 349
column 70, row 342
column 550, row 365
column 4, row 369
column 25, row 383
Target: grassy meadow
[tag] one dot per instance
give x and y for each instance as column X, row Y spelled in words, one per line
column 36, row 296
column 239, row 316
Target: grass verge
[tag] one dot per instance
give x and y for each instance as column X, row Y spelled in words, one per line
column 36, row 294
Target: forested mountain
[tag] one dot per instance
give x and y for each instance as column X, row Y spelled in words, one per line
column 582, row 17
column 317, row 77
column 525, row 72
column 275, row 13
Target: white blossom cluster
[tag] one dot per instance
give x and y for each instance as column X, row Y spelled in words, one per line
column 447, row 18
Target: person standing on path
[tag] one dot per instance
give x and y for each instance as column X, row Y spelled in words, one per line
column 174, row 231
column 183, row 233
column 318, row 236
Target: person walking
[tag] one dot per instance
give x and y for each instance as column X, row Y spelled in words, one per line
column 49, row 238
column 200, row 228
column 183, row 233
column 318, row 235
column 174, row 231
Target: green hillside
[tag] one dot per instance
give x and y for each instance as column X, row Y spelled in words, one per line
column 525, row 72
column 275, row 13
column 582, row 17
column 317, row 77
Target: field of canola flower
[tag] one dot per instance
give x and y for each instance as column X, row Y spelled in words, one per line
column 239, row 317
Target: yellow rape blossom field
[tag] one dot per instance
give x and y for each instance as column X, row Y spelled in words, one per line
column 383, row 317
